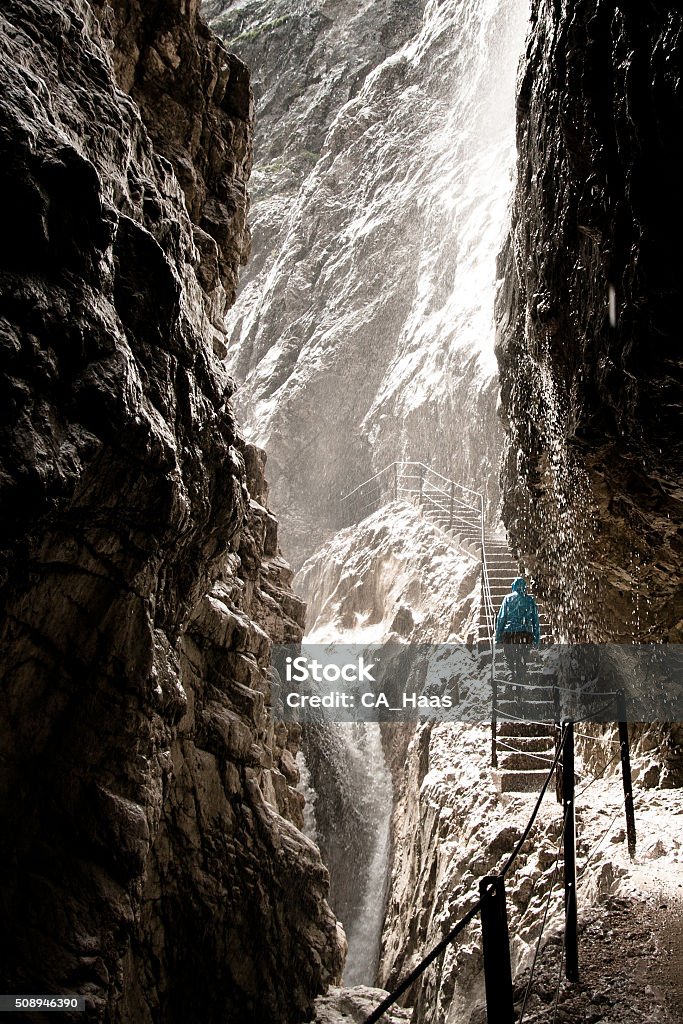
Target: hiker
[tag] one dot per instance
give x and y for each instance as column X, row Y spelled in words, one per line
column 518, row 627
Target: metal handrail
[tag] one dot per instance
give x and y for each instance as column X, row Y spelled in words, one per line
column 429, row 469
column 426, row 471
column 450, row 515
column 345, row 497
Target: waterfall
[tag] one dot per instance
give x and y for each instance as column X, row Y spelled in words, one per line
column 354, row 804
column 374, row 795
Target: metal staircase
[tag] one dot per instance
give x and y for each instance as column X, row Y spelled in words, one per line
column 502, row 569
column 523, row 733
column 449, row 505
column 523, row 745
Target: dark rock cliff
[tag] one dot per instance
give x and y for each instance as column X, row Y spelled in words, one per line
column 589, row 318
column 149, row 849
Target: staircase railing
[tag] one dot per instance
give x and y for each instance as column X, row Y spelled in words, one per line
column 492, row 901
column 452, row 506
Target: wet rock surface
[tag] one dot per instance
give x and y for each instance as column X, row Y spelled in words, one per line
column 354, row 1005
column 363, row 328
column 395, row 578
column 395, row 575
column 196, row 102
column 153, row 861
column 622, row 969
column 589, row 319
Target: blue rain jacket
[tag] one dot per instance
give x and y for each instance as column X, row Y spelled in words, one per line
column 518, row 613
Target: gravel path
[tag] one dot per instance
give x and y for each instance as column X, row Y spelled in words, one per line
column 623, row 976
column 631, row 921
column 663, row 903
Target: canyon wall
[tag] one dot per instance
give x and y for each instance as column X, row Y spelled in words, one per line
column 363, row 330
column 588, row 318
column 150, row 854
column 395, row 574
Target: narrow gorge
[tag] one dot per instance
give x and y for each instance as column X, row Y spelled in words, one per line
column 317, row 318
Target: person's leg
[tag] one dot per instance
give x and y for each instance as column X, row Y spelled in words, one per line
column 510, row 660
column 519, row 670
column 524, row 649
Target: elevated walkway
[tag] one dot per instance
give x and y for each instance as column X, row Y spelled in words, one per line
column 522, row 744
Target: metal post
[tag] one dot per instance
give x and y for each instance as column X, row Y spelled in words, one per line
column 558, row 742
column 422, row 479
column 626, row 772
column 494, row 720
column 571, row 940
column 395, row 481
column 496, row 943
column 450, row 515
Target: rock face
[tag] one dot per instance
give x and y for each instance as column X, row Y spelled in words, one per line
column 196, row 103
column 396, row 575
column 228, row 870
column 343, row 1006
column 589, row 319
column 150, row 853
column 363, row 331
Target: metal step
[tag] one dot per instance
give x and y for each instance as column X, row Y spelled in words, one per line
column 525, row 729
column 521, row 781
column 530, row 692
column 537, row 711
column 513, row 762
column 533, row 744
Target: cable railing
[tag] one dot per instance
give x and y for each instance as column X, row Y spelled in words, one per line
column 458, row 509
column 491, row 890
column 452, row 506
column 492, row 906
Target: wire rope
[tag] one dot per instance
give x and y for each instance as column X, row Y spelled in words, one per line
column 543, row 922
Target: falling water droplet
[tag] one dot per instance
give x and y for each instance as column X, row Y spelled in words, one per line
column 612, row 304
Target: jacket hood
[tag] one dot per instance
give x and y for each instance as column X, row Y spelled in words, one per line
column 519, row 585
